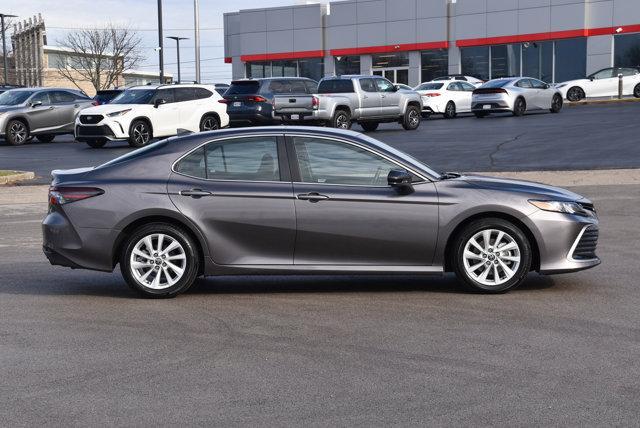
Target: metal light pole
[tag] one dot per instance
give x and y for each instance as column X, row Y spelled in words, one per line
column 160, row 43
column 196, row 24
column 177, row 39
column 4, row 44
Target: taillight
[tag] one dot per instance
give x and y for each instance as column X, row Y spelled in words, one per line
column 315, row 102
column 65, row 195
column 95, row 103
column 489, row 91
column 257, row 99
column 223, row 101
column 431, row 94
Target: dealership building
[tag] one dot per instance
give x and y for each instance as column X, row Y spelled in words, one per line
column 411, row 41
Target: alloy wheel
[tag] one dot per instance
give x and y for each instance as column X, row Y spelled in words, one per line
column 141, row 134
column 158, row 261
column 636, row 91
column 209, row 124
column 574, row 94
column 414, row 118
column 491, row 257
column 557, row 103
column 342, row 122
column 18, row 132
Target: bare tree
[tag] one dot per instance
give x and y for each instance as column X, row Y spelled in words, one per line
column 100, row 55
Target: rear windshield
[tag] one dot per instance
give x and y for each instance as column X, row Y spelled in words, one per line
column 243, row 88
column 335, row 86
column 287, row 87
column 429, row 86
column 499, row 83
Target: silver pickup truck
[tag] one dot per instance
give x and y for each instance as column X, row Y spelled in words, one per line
column 340, row 101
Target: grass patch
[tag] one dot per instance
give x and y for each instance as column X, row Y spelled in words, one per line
column 4, row 173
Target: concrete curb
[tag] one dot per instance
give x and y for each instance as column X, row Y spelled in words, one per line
column 18, row 176
column 596, row 102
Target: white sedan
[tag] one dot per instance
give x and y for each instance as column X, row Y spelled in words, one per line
column 446, row 97
column 603, row 83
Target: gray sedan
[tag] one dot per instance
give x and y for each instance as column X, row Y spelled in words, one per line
column 303, row 200
column 39, row 112
column 516, row 95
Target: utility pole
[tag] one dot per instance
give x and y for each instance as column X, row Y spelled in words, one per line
column 177, row 39
column 4, row 44
column 196, row 24
column 160, row 43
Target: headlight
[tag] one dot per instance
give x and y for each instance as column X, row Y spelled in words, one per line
column 119, row 113
column 562, row 207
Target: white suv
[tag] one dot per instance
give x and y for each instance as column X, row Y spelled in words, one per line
column 145, row 112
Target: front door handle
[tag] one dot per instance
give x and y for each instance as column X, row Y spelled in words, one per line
column 312, row 197
column 195, row 193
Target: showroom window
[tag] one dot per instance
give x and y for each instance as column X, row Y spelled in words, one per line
column 435, row 63
column 312, row 68
column 388, row 60
column 347, row 65
column 475, row 62
column 571, row 59
column 258, row 69
column 627, row 50
column 505, row 61
column 537, row 60
column 284, row 68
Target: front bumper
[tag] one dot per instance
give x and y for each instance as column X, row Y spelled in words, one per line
column 102, row 131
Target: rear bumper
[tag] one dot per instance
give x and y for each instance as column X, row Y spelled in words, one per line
column 252, row 119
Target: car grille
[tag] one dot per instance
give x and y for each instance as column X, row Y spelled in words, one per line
column 586, row 248
column 94, row 131
column 90, row 119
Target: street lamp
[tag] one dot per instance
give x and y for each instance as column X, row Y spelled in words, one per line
column 4, row 44
column 177, row 39
column 160, row 41
column 196, row 30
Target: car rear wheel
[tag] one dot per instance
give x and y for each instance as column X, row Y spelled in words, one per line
column 139, row 133
column 519, row 107
column 159, row 260
column 556, row 104
column 411, row 118
column 491, row 255
column 45, row 138
column 17, row 132
column 209, row 123
column 369, row 126
column 636, row 91
column 341, row 119
column 450, row 110
column 96, row 144
column 575, row 94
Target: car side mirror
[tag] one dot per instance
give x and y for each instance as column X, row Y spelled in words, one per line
column 400, row 180
column 36, row 104
column 547, row 86
column 158, row 102
column 592, row 78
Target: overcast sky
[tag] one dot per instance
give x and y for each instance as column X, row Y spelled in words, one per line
column 142, row 15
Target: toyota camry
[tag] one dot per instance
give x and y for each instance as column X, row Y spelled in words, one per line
column 303, row 200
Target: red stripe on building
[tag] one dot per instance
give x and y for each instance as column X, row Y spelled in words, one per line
column 390, row 48
column 228, row 60
column 282, row 55
column 551, row 35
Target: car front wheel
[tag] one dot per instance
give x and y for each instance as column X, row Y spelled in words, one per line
column 17, row 132
column 139, row 133
column 159, row 260
column 492, row 255
column 556, row 104
column 411, row 118
column 575, row 94
column 636, row 91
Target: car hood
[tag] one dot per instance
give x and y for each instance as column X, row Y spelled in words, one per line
column 108, row 108
column 528, row 188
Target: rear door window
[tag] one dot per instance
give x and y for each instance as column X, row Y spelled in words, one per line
column 368, row 85
column 335, row 86
column 202, row 93
column 42, row 97
column 165, row 94
column 246, row 159
column 312, row 87
column 185, row 94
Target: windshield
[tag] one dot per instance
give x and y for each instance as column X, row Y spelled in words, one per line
column 13, row 98
column 429, row 86
column 498, row 83
column 134, row 96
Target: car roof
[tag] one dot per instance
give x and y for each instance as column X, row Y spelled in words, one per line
column 262, row 79
column 177, row 85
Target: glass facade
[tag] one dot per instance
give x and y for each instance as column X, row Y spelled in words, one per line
column 258, row 69
column 347, row 65
column 435, row 63
column 475, row 62
column 505, row 61
column 313, row 68
column 627, row 50
column 571, row 59
column 388, row 60
column 308, row 67
column 537, row 60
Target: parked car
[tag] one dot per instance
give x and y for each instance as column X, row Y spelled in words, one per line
column 473, row 80
column 39, row 112
column 516, row 95
column 142, row 113
column 603, row 83
column 342, row 100
column 250, row 101
column 446, row 97
column 221, row 88
column 106, row 96
column 303, row 200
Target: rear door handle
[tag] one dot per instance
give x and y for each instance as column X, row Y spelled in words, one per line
column 195, row 193
column 312, row 197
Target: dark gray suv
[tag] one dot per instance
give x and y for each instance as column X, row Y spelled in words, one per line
column 39, row 112
column 306, row 201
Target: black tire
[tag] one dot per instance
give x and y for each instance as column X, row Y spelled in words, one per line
column 556, row 104
column 411, row 119
column 369, row 126
column 575, row 93
column 17, row 132
column 191, row 261
column 450, row 110
column 477, row 226
column 45, row 138
column 209, row 122
column 480, row 114
column 519, row 107
column 341, row 119
column 96, row 144
column 139, row 133
column 636, row 91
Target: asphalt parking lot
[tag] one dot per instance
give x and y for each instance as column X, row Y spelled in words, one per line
column 579, row 138
column 78, row 348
